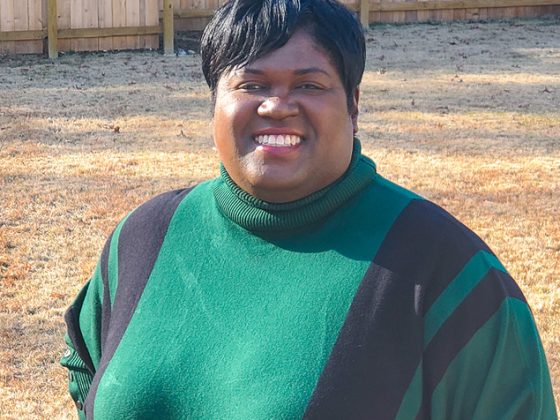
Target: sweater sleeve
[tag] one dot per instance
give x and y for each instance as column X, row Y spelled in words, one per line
column 89, row 316
column 486, row 361
column 79, row 377
column 84, row 321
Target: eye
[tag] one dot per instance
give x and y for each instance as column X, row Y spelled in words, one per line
column 250, row 86
column 309, row 86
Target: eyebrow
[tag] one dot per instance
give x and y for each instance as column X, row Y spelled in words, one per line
column 298, row 72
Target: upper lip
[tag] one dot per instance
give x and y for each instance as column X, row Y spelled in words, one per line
column 277, row 131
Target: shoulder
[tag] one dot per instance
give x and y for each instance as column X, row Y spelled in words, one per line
column 425, row 232
column 137, row 239
column 430, row 248
column 156, row 211
column 416, row 222
column 141, row 233
column 153, row 217
column 428, row 224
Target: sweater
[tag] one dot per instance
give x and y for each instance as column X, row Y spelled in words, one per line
column 360, row 301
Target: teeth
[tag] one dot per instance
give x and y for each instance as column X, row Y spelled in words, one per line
column 278, row 140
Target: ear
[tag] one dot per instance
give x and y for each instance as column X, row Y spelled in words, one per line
column 354, row 110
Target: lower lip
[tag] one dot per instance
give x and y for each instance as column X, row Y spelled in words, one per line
column 277, row 150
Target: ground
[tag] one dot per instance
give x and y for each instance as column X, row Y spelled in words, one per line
column 466, row 114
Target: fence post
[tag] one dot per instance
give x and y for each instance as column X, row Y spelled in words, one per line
column 168, row 31
column 364, row 13
column 52, row 29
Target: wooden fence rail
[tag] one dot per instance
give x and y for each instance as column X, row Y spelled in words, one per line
column 89, row 25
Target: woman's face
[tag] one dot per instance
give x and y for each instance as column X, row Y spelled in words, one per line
column 281, row 123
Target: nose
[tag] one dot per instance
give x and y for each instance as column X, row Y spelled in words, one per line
column 277, row 107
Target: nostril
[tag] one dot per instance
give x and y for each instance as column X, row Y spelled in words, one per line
column 275, row 106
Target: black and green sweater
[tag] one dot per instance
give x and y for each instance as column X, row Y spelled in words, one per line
column 361, row 301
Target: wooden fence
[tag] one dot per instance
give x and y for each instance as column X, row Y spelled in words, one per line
column 78, row 25
column 37, row 26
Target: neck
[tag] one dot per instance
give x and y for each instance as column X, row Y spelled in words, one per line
column 255, row 214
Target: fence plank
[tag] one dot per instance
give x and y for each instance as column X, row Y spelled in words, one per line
column 119, row 21
column 106, row 21
column 35, row 9
column 7, row 25
column 364, row 13
column 400, row 17
column 76, row 21
column 21, row 23
column 52, row 23
column 20, row 15
column 142, row 20
column 448, row 15
column 194, row 14
column 495, row 13
column 22, row 36
column 471, row 14
column 510, row 12
column 210, row 4
column 185, row 6
column 459, row 14
column 63, row 13
column 107, row 32
column 91, row 20
column 456, row 4
column 152, row 18
column 374, row 15
column 411, row 16
column 132, row 19
column 436, row 15
column 526, row 12
column 35, row 19
column 423, row 15
column 168, row 30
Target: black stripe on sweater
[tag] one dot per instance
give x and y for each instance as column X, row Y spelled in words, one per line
column 375, row 354
column 429, row 245
column 477, row 308
column 381, row 342
column 71, row 317
column 106, row 311
column 72, row 320
column 139, row 244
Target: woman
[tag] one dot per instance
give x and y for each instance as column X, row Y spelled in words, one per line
column 299, row 283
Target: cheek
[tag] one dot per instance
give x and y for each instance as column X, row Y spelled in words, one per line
column 334, row 126
column 330, row 112
column 231, row 117
column 223, row 137
column 231, row 128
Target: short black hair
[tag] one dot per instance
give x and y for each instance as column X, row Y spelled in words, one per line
column 242, row 31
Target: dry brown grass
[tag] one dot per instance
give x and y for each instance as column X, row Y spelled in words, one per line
column 467, row 115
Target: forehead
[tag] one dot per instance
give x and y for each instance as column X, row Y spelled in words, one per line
column 299, row 53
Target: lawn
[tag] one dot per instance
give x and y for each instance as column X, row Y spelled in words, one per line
column 466, row 114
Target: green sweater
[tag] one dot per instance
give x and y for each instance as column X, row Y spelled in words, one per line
column 362, row 300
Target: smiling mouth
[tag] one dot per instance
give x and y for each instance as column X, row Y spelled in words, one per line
column 278, row 140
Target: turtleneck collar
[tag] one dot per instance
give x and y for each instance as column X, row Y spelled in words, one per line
column 258, row 215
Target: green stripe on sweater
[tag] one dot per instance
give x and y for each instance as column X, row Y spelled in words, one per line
column 240, row 326
column 513, row 368
column 471, row 274
column 113, row 266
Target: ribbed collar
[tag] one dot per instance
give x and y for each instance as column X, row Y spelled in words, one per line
column 258, row 215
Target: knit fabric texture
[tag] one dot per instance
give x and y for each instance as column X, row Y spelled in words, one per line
column 360, row 301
